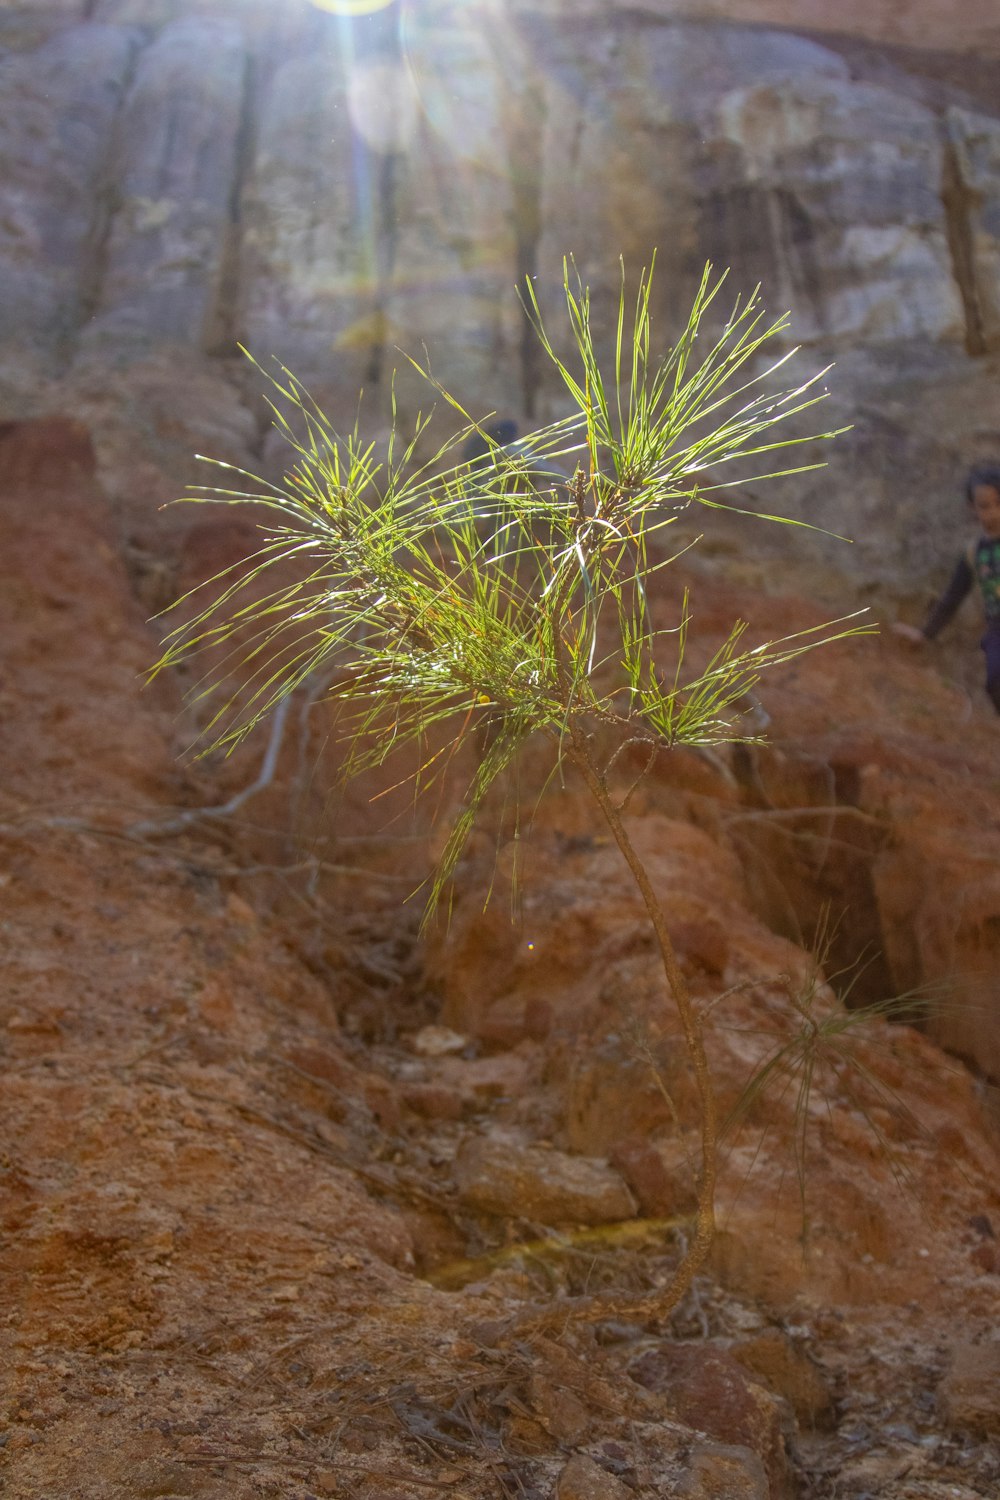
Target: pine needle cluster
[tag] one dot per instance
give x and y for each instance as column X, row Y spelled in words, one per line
column 488, row 601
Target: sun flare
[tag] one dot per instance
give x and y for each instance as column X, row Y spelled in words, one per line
column 352, row 7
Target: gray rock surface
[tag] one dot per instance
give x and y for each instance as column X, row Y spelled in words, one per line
column 170, row 174
column 974, row 160
column 61, row 101
column 725, row 1471
column 961, row 24
column 306, row 223
column 583, row 1479
column 844, row 181
column 193, row 174
column 504, row 1175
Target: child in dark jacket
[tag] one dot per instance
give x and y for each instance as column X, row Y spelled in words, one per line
column 979, row 564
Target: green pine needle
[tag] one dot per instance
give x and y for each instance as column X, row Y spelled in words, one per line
column 504, row 598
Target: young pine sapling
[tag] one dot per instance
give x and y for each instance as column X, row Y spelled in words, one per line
column 491, row 602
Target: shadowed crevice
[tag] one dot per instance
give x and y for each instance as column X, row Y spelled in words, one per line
column 222, row 325
column 386, row 175
column 961, row 208
column 106, row 204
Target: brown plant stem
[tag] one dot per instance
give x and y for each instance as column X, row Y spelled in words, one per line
column 579, row 752
column 691, row 1025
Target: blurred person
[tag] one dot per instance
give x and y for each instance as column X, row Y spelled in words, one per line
column 979, row 564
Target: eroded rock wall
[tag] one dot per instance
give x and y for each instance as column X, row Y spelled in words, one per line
column 182, row 177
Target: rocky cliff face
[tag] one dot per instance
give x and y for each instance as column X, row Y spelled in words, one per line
column 271, row 1229
column 281, row 1179
column 180, row 176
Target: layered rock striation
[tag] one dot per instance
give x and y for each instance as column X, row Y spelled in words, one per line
column 182, row 178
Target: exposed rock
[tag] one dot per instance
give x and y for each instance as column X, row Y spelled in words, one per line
column 583, row 1479
column 579, row 934
column 910, row 850
column 962, row 24
column 228, row 173
column 987, row 1258
column 479, row 1079
column 939, row 897
column 705, row 1388
column 851, row 175
column 464, row 221
column 661, row 1174
column 616, row 1093
column 785, row 1367
column 52, row 197
column 171, row 175
column 975, row 206
column 90, row 633
column 969, row 1394
column 434, row 1101
column 664, row 91
column 438, row 1041
column 306, row 276
column 725, row 1471
column 506, row 1176
column 560, row 1412
column 210, row 1183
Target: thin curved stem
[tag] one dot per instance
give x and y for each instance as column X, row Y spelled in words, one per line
column 691, row 1025
column 579, row 752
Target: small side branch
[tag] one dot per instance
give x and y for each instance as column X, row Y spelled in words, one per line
column 164, row 828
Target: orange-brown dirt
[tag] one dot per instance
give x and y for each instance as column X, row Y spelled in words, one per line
column 284, row 1185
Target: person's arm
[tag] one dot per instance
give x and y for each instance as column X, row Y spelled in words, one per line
column 961, row 582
